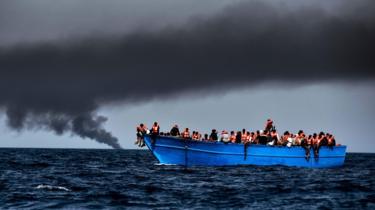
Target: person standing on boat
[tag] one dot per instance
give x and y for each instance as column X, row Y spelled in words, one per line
column 269, row 125
column 175, row 131
column 154, row 132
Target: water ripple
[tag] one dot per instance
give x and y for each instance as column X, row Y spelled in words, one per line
column 112, row 179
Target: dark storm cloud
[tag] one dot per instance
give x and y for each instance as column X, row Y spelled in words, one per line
column 59, row 86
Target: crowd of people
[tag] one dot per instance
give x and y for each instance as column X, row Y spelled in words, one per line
column 268, row 136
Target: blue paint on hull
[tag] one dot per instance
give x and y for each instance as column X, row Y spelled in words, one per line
column 169, row 150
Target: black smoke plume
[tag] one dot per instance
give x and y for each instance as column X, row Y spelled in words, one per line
column 58, row 86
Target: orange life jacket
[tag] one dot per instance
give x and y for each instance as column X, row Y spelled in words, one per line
column 232, row 138
column 155, row 129
column 243, row 137
column 248, row 137
column 330, row 141
column 195, row 136
column 185, row 134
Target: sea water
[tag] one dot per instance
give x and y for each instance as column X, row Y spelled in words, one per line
column 115, row 179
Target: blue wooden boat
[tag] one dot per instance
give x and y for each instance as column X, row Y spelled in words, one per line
column 170, row 150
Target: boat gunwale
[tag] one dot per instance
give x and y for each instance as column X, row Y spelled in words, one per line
column 229, row 143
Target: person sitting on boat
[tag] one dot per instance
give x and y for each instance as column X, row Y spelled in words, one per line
column 256, row 137
column 331, row 141
column 306, row 145
column 262, row 138
column 274, row 137
column 269, row 125
column 175, row 131
column 213, row 135
column 324, row 141
column 310, row 140
column 238, row 137
column 299, row 138
column 315, row 139
column 243, row 136
column 319, row 140
column 232, row 137
column 195, row 136
column 224, row 136
column 284, row 138
column 252, row 138
column 248, row 137
column 186, row 134
column 291, row 140
column 205, row 138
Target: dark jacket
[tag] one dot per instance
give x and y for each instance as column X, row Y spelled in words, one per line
column 175, row 131
column 213, row 136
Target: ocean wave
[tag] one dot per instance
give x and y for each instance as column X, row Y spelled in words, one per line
column 50, row 187
column 164, row 164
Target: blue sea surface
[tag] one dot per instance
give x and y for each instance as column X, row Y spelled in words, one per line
column 116, row 179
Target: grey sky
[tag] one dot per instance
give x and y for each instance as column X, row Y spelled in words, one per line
column 43, row 20
column 345, row 110
column 336, row 36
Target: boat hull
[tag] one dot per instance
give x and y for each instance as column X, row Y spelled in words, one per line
column 169, row 150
